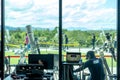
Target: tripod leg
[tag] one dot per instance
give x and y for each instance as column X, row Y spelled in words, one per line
column 112, row 51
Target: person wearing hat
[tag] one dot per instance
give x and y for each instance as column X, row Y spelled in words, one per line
column 94, row 65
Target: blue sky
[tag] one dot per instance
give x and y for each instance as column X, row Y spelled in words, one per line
column 77, row 14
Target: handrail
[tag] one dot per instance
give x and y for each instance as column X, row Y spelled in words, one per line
column 63, row 55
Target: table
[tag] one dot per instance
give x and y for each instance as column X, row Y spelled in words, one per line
column 68, row 70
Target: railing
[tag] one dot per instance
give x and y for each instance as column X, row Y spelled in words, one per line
column 64, row 56
column 16, row 58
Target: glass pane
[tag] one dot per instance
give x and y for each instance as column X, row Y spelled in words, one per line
column 91, row 25
column 31, row 27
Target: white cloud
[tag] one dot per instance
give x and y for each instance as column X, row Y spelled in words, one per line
column 19, row 4
column 91, row 15
column 45, row 13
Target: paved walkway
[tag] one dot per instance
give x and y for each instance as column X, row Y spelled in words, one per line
column 82, row 50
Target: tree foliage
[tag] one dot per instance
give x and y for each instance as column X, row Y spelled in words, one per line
column 83, row 38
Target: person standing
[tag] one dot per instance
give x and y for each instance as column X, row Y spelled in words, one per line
column 66, row 42
column 93, row 41
column 27, row 41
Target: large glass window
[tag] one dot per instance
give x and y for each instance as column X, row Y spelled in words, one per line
column 91, row 25
column 31, row 27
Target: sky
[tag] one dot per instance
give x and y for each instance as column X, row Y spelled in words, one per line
column 76, row 14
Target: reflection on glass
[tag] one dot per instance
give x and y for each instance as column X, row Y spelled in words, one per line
column 87, row 25
column 30, row 28
column 91, row 25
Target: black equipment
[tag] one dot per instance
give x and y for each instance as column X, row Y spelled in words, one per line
column 49, row 60
column 73, row 57
column 108, row 36
column 30, row 70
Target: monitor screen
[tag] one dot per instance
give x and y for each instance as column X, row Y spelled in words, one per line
column 46, row 59
column 73, row 57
